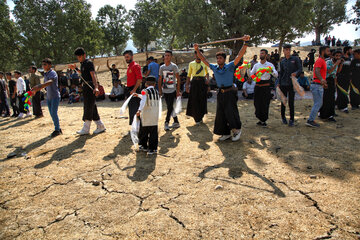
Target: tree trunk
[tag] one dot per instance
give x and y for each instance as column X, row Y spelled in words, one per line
column 317, row 34
column 172, row 41
column 146, row 52
column 235, row 49
column 281, row 44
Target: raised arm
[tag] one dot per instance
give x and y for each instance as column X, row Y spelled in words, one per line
column 242, row 51
column 200, row 55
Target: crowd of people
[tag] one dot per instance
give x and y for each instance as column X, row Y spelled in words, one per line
column 335, row 82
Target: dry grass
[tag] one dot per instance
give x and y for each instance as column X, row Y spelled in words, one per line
column 276, row 183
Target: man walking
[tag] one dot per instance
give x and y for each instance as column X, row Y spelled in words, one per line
column 199, row 75
column 290, row 66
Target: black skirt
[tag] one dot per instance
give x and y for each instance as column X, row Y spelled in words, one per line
column 342, row 99
column 328, row 108
column 197, row 103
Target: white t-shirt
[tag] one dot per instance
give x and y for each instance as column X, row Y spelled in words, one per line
column 169, row 80
column 249, row 88
column 20, row 85
column 265, row 76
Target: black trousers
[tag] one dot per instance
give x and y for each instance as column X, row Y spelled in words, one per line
column 148, row 137
column 262, row 102
column 13, row 105
column 90, row 109
column 118, row 97
column 289, row 92
column 342, row 100
column 4, row 106
column 328, row 108
column 133, row 104
column 197, row 103
column 21, row 104
column 354, row 97
column 169, row 99
column 227, row 114
column 36, row 102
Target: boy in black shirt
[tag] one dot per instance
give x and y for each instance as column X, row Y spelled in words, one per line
column 4, row 106
column 12, row 85
column 90, row 92
column 355, row 80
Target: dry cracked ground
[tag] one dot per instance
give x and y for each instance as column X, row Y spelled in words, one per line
column 275, row 183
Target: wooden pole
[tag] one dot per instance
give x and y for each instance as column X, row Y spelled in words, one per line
column 221, row 41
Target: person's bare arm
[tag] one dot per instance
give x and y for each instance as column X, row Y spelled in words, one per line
column 160, row 84
column 200, row 55
column 15, row 91
column 318, row 75
column 147, row 73
column 330, row 70
column 107, row 64
column 178, row 84
column 242, row 50
column 95, row 82
column 137, row 85
column 41, row 86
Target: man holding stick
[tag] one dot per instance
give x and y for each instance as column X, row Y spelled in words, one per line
column 90, row 92
column 227, row 120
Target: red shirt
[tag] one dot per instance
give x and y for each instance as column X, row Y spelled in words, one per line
column 320, row 63
column 133, row 74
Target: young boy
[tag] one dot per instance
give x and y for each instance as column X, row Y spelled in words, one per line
column 169, row 84
column 12, row 94
column 149, row 115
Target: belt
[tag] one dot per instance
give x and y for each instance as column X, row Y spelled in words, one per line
column 263, row 85
column 198, row 78
column 316, row 83
column 227, row 89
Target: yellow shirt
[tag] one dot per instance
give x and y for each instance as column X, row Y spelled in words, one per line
column 194, row 67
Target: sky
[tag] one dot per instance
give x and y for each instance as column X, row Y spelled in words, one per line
column 344, row 31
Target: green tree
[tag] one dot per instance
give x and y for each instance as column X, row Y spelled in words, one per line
column 325, row 14
column 356, row 19
column 54, row 28
column 113, row 22
column 9, row 38
column 143, row 22
column 287, row 27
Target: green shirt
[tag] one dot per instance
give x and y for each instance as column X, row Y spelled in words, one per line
column 34, row 80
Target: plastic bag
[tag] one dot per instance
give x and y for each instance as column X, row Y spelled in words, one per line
column 178, row 107
column 297, row 87
column 280, row 96
column 126, row 103
column 135, row 127
column 160, row 108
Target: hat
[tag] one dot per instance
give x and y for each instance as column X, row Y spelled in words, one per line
column 151, row 78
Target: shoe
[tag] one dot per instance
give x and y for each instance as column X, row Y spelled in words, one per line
column 262, row 124
column 21, row 115
column 224, row 137
column 6, row 115
column 345, row 110
column 56, row 133
column 331, row 119
column 312, row 124
column 14, row 116
column 166, row 126
column 85, row 129
column 175, row 125
column 28, row 114
column 284, row 121
column 99, row 129
column 291, row 123
column 236, row 136
column 151, row 152
column 141, row 148
column 39, row 116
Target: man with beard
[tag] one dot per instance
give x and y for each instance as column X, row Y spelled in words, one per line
column 134, row 80
column 90, row 92
column 355, row 80
column 318, row 85
column 343, row 81
column 327, row 111
column 227, row 119
column 262, row 94
column 197, row 104
column 290, row 66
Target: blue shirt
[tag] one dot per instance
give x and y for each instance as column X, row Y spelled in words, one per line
column 154, row 69
column 224, row 76
column 52, row 90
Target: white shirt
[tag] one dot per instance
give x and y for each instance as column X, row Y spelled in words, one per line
column 143, row 100
column 265, row 76
column 20, row 85
column 117, row 91
column 249, row 88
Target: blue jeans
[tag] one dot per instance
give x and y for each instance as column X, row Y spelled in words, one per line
column 53, row 105
column 317, row 92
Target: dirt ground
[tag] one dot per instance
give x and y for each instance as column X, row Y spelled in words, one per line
column 275, row 183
